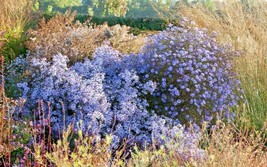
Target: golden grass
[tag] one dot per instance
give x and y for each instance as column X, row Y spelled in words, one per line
column 15, row 18
column 231, row 146
column 14, row 15
column 225, row 145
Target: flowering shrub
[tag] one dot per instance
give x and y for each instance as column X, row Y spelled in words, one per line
column 104, row 96
column 192, row 71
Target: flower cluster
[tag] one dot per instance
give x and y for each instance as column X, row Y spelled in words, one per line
column 66, row 90
column 103, row 96
column 192, row 71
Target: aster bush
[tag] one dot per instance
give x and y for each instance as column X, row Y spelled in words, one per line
column 67, row 90
column 100, row 96
column 193, row 73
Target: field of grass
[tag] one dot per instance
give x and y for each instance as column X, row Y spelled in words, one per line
column 30, row 139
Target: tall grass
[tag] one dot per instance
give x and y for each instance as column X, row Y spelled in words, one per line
column 229, row 145
column 242, row 24
column 15, row 17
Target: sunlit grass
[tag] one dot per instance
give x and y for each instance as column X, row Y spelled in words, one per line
column 15, row 18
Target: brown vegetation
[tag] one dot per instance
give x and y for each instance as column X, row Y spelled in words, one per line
column 75, row 40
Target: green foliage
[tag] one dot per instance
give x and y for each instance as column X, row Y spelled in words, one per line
column 85, row 153
column 147, row 8
column 119, row 8
column 209, row 4
column 137, row 24
column 253, row 112
column 13, row 47
column 49, row 9
column 36, row 6
column 156, row 24
column 90, row 11
column 59, row 3
column 67, row 3
column 112, row 7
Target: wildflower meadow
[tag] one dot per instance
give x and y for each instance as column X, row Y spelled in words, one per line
column 188, row 90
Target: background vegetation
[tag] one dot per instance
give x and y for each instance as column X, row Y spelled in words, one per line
column 124, row 8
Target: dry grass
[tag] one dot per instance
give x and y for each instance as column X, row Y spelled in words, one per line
column 5, row 129
column 15, row 18
column 14, row 15
column 225, row 145
column 244, row 26
column 125, row 42
column 229, row 146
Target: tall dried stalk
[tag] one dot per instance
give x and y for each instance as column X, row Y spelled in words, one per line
column 5, row 120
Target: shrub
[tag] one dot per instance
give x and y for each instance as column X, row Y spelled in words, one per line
column 76, row 40
column 193, row 74
column 140, row 23
column 56, row 83
column 103, row 94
